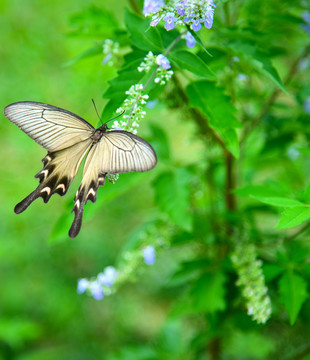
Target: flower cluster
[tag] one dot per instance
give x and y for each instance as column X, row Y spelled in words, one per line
column 112, row 178
column 134, row 103
column 185, row 12
column 99, row 286
column 163, row 74
column 251, row 279
column 105, row 282
column 111, row 52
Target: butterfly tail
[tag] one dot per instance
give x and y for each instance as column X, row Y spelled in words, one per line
column 87, row 191
column 22, row 206
column 77, row 222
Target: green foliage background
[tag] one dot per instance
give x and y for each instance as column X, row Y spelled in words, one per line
column 233, row 169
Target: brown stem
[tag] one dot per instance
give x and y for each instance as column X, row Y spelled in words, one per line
column 273, row 95
column 230, row 182
column 214, row 348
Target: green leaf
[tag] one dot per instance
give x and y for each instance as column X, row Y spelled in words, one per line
column 293, row 216
column 218, row 109
column 271, row 271
column 278, row 201
column 208, row 293
column 141, row 34
column 259, row 60
column 293, row 292
column 172, row 194
column 186, row 60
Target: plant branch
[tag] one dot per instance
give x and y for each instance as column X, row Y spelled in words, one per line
column 273, row 95
column 230, row 182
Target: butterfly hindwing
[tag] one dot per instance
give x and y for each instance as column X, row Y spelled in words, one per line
column 59, row 169
column 116, row 152
column 52, row 127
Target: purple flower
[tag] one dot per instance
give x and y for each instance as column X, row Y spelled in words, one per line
column 190, row 40
column 156, row 21
column 180, row 7
column 96, row 290
column 196, row 26
column 163, row 62
column 209, row 18
column 149, row 255
column 108, row 276
column 82, row 286
column 152, row 6
column 170, row 20
column 307, row 105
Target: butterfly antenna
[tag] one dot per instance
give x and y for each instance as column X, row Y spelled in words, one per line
column 117, row 116
column 96, row 111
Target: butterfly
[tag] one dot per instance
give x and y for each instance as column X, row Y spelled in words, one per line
column 68, row 139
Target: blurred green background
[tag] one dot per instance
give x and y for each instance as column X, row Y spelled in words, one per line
column 42, row 317
column 186, row 306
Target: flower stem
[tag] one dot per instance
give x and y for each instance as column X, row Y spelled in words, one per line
column 171, row 46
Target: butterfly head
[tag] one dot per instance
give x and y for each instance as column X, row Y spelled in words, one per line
column 103, row 128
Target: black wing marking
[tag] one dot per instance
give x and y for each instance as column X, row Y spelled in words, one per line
column 116, row 152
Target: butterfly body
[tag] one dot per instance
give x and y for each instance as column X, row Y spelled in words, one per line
column 69, row 139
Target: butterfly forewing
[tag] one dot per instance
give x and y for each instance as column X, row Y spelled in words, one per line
column 53, row 128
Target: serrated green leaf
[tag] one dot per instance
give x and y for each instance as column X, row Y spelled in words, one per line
column 293, row 292
column 293, row 216
column 186, row 60
column 208, row 293
column 141, row 34
column 278, row 201
column 218, row 109
column 172, row 194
